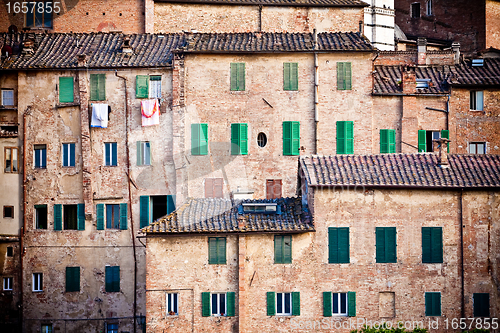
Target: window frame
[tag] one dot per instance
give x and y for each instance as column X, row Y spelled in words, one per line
column 70, row 211
column 144, row 89
column 10, row 251
column 412, row 10
column 113, row 211
column 476, row 145
column 474, row 100
column 111, row 149
column 283, row 304
column 339, row 296
column 37, row 281
column 40, row 162
column 172, row 304
column 5, row 209
column 428, row 8
column 4, row 98
column 113, row 329
column 11, row 166
column 34, row 10
column 49, row 328
column 218, row 299
column 144, row 153
column 8, row 283
column 68, row 155
column 37, row 208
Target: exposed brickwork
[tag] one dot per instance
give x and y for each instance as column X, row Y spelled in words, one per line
column 492, row 23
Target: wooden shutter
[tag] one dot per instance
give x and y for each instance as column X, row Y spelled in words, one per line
column 387, row 141
column 195, row 139
column 97, row 87
column 380, row 244
column 422, row 145
column 341, row 137
column 72, row 154
column 481, row 304
column 72, row 279
column 348, row 76
column 290, row 76
column 116, row 278
column 66, row 90
column 349, row 137
column 235, row 135
column 295, row 303
column 205, row 304
column 327, row 304
column 436, row 245
column 333, row 246
column 139, row 153
column 80, row 208
column 221, row 250
column 390, row 245
column 203, row 139
column 57, row 217
column 343, row 246
column 237, row 76
column 426, row 245
column 234, row 76
column 123, row 216
column 351, row 304
column 108, row 278
column 218, row 184
column 278, row 249
column 230, row 300
column 100, row 216
column 446, row 135
column 273, row 188
column 209, row 187
column 141, row 86
column 271, row 303
column 340, row 76
column 286, row 76
column 144, row 211
column 114, row 153
column 287, row 138
column 241, row 76
column 287, row 249
column 433, row 304
column 170, row 203
column 212, row 251
column 244, row 139
column 295, row 137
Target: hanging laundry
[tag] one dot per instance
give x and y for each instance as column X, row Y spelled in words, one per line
column 99, row 115
column 150, row 111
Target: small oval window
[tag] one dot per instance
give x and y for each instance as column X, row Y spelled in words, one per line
column 261, row 139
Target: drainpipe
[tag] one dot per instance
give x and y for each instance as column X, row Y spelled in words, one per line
column 130, row 199
column 316, row 91
column 462, row 284
column 23, row 229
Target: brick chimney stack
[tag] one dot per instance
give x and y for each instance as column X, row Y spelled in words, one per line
column 455, row 46
column 442, row 151
column 409, row 81
column 422, row 50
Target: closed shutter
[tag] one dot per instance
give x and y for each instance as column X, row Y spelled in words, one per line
column 72, row 279
column 278, row 249
column 123, row 216
column 116, row 278
column 351, row 304
column 235, row 143
column 209, row 188
column 241, row 76
column 327, row 304
column 290, row 76
column 205, row 304
column 295, row 303
column 340, row 76
column 237, row 76
column 422, row 145
column 234, row 76
column 100, row 216
column 433, row 304
column 218, row 187
column 436, row 245
column 426, row 245
column 392, row 141
column 333, row 246
column 446, row 135
column 72, row 154
column 141, row 86
column 221, row 251
column 114, row 153
column 231, row 300
column 348, row 76
column 58, row 217
column 286, row 76
column 66, row 90
column 273, row 188
column 287, row 249
column 144, row 211
column 291, row 137
column 345, row 137
column 343, row 243
column 212, row 251
column 295, row 137
column 385, row 245
column 80, row 208
column 481, row 304
column 203, row 139
column 170, row 203
column 380, row 244
column 199, row 141
column 387, row 141
column 243, row 139
column 97, row 87
column 271, row 303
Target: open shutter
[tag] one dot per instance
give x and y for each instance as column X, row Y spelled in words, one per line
column 205, row 304
column 333, row 246
column 139, row 153
column 349, row 137
column 295, row 303
column 100, row 216
column 123, row 216
column 278, row 249
column 327, row 304
column 286, row 76
column 343, row 245
column 287, row 138
column 380, row 245
column 144, row 211
column 66, row 90
column 235, row 139
column 241, row 76
column 72, row 154
column 114, row 154
column 212, row 251
column 295, row 137
column 195, row 139
column 271, row 303
column 170, row 203
column 351, row 304
column 390, row 245
column 80, row 208
column 340, row 76
column 58, row 217
column 244, row 139
column 203, row 139
column 341, row 137
column 446, row 135
column 422, row 145
column 231, row 300
column 221, row 250
column 234, row 76
column 426, row 245
column 141, row 86
column 436, row 245
column 287, row 249
column 348, row 76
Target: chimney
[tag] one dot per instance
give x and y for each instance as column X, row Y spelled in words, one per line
column 409, row 81
column 455, row 46
column 126, row 48
column 241, row 223
column 422, row 50
column 82, row 60
column 442, row 150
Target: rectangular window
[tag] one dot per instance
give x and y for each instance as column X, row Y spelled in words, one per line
column 290, row 76
column 172, row 304
column 239, row 139
column 433, row 304
column 112, row 328
column 147, row 86
column 477, row 148
column 217, row 250
column 237, row 76
column 291, row 138
column 199, row 139
column 273, row 188
column 41, row 216
column 8, row 211
column 72, row 279
column 113, row 216
column 155, row 86
column 476, row 100
column 68, row 154
column 415, row 10
column 8, row 283
column 339, row 304
column 429, row 8
column 345, row 137
column 70, row 217
column 385, row 244
column 110, row 154
column 97, row 87
column 66, row 90
column 344, row 76
column 283, row 304
column 40, row 156
column 426, row 139
column 39, row 14
column 218, row 304
column 10, row 251
column 387, row 141
column 338, row 245
column 154, row 207
column 46, row 328
column 7, row 97
column 112, row 279
column 37, row 282
column 481, row 303
column 432, row 245
column 282, row 249
column 11, row 160
column 214, row 188
column 143, row 153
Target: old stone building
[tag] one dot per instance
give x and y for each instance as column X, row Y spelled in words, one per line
column 355, row 249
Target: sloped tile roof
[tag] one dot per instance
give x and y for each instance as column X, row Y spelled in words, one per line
column 291, row 3
column 213, row 215
column 275, row 42
column 486, row 75
column 402, row 170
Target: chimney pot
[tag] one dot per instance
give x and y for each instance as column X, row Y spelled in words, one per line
column 455, row 46
column 422, row 50
column 442, row 151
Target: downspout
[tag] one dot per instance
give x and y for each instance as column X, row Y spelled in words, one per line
column 23, row 229
column 316, row 90
column 130, row 199
column 462, row 284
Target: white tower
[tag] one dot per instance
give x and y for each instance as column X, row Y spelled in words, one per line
column 379, row 23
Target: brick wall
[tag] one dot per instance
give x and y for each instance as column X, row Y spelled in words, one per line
column 492, row 22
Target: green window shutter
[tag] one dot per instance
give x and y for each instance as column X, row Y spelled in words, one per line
column 271, row 303
column 212, row 251
column 295, row 303
column 290, row 76
column 327, row 304
column 141, row 86
column 234, row 76
column 295, row 137
column 97, row 87
column 338, row 245
column 195, row 139
column 235, row 134
column 287, row 249
column 144, row 211
column 343, row 243
column 278, row 249
column 205, row 304
column 481, row 304
column 58, row 217
column 123, row 216
column 102, row 87
column 243, row 139
column 390, row 245
column 241, row 76
column 231, row 300
column 286, row 76
column 349, row 130
column 340, row 76
column 66, row 90
column 426, row 245
column 446, row 135
column 392, row 141
column 436, row 245
column 345, row 137
column 100, row 216
column 170, row 203
column 139, row 153
column 387, row 141
column 203, row 139
column 351, row 304
column 380, row 244
column 422, row 145
column 237, row 76
column 433, row 304
column 116, row 278
column 80, row 216
column 348, row 76
column 221, row 250
column 72, row 279
column 287, row 138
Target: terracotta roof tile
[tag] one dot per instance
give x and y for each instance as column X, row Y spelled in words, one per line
column 486, row 75
column 291, row 3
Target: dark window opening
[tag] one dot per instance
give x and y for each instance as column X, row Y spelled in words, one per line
column 159, row 206
column 41, row 216
column 431, row 135
column 10, row 251
column 70, row 217
column 415, row 10
column 262, row 139
column 113, row 216
column 8, row 211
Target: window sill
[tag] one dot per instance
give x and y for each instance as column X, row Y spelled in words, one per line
column 8, row 107
column 63, row 105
